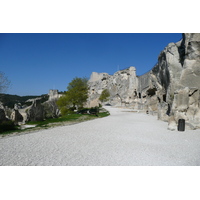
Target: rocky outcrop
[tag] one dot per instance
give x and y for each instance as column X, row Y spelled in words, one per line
column 51, row 109
column 16, row 116
column 186, row 102
column 171, row 89
column 122, row 87
column 176, row 82
column 40, row 110
column 35, row 111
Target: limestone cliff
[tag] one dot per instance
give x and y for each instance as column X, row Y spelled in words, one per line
column 171, row 89
column 122, row 87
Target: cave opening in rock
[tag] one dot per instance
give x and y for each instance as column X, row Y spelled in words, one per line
column 164, row 97
column 151, row 92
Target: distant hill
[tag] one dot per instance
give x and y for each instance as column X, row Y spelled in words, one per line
column 10, row 100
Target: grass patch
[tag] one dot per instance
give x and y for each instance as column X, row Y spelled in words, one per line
column 63, row 120
column 70, row 117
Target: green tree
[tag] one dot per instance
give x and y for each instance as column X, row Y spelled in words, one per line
column 104, row 95
column 75, row 96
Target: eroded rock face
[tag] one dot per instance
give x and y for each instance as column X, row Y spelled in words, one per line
column 171, row 89
column 176, row 78
column 190, row 76
column 122, row 87
column 16, row 116
column 51, row 109
column 35, row 112
column 39, row 111
column 189, row 107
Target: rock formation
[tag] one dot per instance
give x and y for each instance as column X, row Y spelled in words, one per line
column 122, row 87
column 50, row 106
column 16, row 116
column 171, row 89
column 40, row 110
column 35, row 111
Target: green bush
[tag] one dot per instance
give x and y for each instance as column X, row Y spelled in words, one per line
column 7, row 126
column 65, row 110
column 104, row 96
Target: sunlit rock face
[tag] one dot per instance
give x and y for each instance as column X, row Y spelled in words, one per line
column 170, row 90
column 16, row 116
column 175, row 81
column 122, row 87
column 39, row 111
column 186, row 102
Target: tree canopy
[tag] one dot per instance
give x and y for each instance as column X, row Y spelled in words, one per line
column 75, row 96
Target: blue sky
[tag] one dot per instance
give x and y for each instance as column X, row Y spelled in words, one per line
column 35, row 63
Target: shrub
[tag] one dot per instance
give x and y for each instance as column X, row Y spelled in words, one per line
column 65, row 110
column 104, row 96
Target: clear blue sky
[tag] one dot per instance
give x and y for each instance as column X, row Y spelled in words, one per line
column 35, row 63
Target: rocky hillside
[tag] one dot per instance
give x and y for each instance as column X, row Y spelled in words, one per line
column 122, row 87
column 10, row 100
column 27, row 108
column 171, row 89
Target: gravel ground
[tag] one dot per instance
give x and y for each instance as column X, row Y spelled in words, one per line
column 123, row 138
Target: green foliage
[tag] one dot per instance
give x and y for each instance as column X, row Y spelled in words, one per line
column 75, row 97
column 64, row 118
column 8, row 126
column 104, row 95
column 75, row 117
column 91, row 111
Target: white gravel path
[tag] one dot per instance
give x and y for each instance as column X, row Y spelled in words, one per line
column 123, row 138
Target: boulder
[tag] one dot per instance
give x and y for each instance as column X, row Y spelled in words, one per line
column 121, row 86
column 51, row 109
column 16, row 116
column 36, row 111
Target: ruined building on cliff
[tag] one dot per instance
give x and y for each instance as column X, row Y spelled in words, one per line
column 171, row 89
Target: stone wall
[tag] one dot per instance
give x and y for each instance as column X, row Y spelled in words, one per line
column 54, row 95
